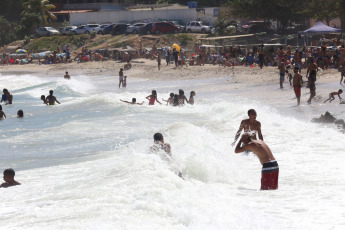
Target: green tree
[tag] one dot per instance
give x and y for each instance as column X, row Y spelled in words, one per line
column 41, row 8
column 324, row 10
column 7, row 31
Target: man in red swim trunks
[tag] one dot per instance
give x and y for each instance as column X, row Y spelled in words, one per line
column 270, row 168
column 297, row 84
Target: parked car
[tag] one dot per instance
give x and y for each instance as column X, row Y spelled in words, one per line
column 135, row 28
column 99, row 30
column 85, row 29
column 146, row 29
column 181, row 27
column 164, row 27
column 120, row 28
column 67, row 30
column 108, row 29
column 256, row 28
column 197, row 26
column 47, row 31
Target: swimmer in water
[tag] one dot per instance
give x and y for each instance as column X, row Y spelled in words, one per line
column 170, row 100
column 9, row 179
column 67, row 76
column 2, row 114
column 51, row 99
column 152, row 98
column 158, row 140
column 331, row 96
column 250, row 125
column 7, row 97
column 20, row 113
column 270, row 168
column 134, row 102
column 191, row 98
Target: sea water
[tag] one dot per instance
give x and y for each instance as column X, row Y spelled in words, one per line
column 86, row 164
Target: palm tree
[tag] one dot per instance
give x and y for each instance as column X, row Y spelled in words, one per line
column 41, row 8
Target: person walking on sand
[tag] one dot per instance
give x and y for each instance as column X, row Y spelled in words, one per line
column 282, row 69
column 270, row 168
column 297, row 84
column 159, row 61
column 50, row 99
column 250, row 125
column 67, row 76
column 175, row 55
column 312, row 70
column 152, row 98
column 261, row 55
column 120, row 78
column 331, row 96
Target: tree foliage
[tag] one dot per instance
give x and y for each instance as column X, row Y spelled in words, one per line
column 41, row 8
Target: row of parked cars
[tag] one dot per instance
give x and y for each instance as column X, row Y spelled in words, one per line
column 121, row 28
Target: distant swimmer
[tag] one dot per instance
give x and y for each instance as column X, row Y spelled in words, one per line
column 191, row 98
column 160, row 145
column 9, row 179
column 331, row 96
column 250, row 125
column 270, row 168
column 67, row 76
column 20, row 113
column 170, row 100
column 2, row 114
column 7, row 97
column 152, row 98
column 134, row 102
column 50, row 99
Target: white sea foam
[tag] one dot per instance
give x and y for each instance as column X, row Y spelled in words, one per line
column 85, row 164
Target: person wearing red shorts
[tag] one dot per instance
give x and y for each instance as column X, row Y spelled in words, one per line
column 270, row 168
column 297, row 83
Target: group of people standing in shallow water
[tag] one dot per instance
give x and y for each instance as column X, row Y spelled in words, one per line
column 174, row 99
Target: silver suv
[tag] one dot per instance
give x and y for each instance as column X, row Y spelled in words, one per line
column 197, row 26
column 47, row 31
column 85, row 29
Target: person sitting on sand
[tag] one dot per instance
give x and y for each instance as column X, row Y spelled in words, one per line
column 191, row 98
column 20, row 113
column 134, row 102
column 128, row 65
column 9, row 179
column 331, row 96
column 250, row 125
column 2, row 114
column 170, row 100
column 50, row 99
column 270, row 168
column 160, row 145
column 67, row 76
column 7, row 97
column 152, row 98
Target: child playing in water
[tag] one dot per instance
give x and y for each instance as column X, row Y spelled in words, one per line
column 124, row 84
column 289, row 76
column 134, row 102
column 331, row 96
column 2, row 114
column 191, row 98
column 43, row 98
column 170, row 100
column 152, row 98
column 20, row 113
column 9, row 178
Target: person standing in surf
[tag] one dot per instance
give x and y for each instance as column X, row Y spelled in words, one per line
column 270, row 168
column 282, row 69
column 312, row 70
column 250, row 125
column 152, row 98
column 297, row 84
column 50, row 99
column 121, row 77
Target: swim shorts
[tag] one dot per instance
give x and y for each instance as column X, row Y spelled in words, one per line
column 297, row 90
column 269, row 176
column 282, row 76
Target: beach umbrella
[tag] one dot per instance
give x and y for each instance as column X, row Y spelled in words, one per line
column 21, row 51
